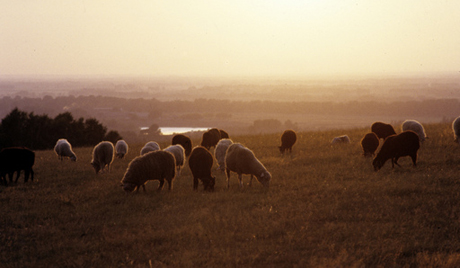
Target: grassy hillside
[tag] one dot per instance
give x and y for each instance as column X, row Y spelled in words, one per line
column 326, row 207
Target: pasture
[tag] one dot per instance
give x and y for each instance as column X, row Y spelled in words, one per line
column 326, row 207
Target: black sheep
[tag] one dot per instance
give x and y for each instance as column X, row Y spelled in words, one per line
column 16, row 159
column 288, row 139
column 370, row 143
column 184, row 141
column 200, row 163
column 210, row 138
column 406, row 143
column 382, row 130
column 223, row 134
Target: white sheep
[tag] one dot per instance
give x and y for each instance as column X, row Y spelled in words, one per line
column 415, row 126
column 341, row 139
column 102, row 156
column 150, row 146
column 179, row 154
column 220, row 152
column 121, row 148
column 63, row 148
column 456, row 129
column 242, row 160
column 158, row 165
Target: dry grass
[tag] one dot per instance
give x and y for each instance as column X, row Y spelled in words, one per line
column 325, row 207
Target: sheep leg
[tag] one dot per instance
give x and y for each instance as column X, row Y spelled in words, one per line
column 26, row 175
column 250, row 181
column 240, row 178
column 414, row 159
column 169, row 184
column 17, row 177
column 228, row 177
column 162, row 182
column 195, row 183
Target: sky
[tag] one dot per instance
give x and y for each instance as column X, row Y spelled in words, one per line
column 229, row 38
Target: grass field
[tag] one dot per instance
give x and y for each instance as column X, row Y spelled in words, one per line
column 326, row 207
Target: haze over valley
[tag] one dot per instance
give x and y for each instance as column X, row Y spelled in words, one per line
column 238, row 105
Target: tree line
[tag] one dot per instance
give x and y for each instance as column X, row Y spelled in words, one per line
column 40, row 132
column 86, row 105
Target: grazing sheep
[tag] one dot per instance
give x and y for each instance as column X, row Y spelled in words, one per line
column 64, row 149
column 406, row 143
column 157, row 165
column 288, row 139
column 220, row 151
column 223, row 134
column 184, row 141
column 210, row 138
column 382, row 130
column 370, row 143
column 340, row 139
column 102, row 156
column 416, row 127
column 200, row 163
column 179, row 154
column 150, row 147
column 16, row 159
column 456, row 129
column 242, row 160
column 121, row 149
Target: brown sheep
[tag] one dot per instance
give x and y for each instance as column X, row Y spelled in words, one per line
column 157, row 165
column 370, row 143
column 406, row 143
column 288, row 139
column 200, row 163
column 210, row 138
column 184, row 141
column 382, row 130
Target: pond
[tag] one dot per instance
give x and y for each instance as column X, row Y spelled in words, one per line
column 178, row 130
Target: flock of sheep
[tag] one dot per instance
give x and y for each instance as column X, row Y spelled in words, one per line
column 156, row 164
column 164, row 165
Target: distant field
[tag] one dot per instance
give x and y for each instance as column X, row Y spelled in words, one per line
column 326, row 207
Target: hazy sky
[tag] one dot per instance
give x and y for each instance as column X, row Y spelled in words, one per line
column 229, row 38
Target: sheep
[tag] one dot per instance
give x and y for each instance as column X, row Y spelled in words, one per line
column 184, row 141
column 242, row 160
column 223, row 134
column 121, row 149
column 102, row 156
column 220, row 151
column 395, row 146
column 63, row 149
column 456, row 129
column 382, row 130
column 210, row 138
column 150, row 147
column 370, row 143
column 15, row 159
column 415, row 126
column 179, row 154
column 288, row 139
column 200, row 163
column 157, row 165
column 340, row 139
